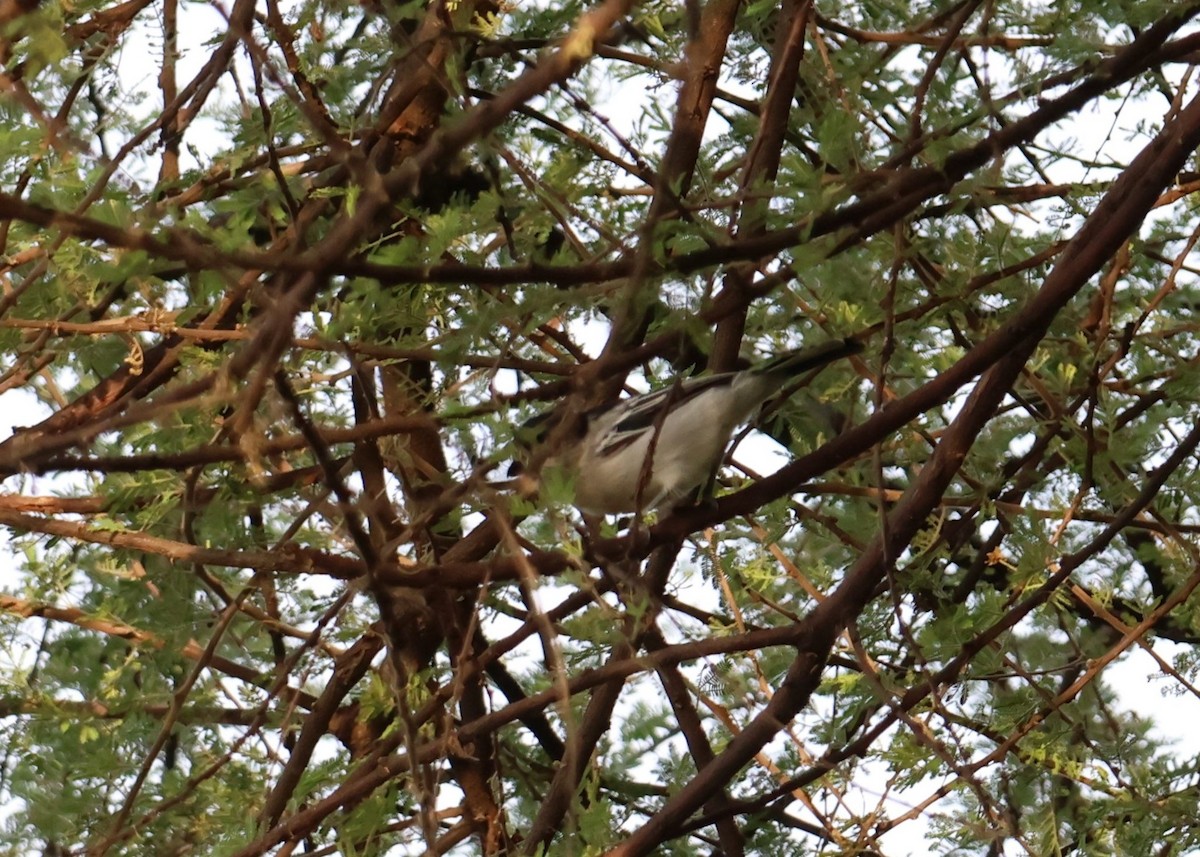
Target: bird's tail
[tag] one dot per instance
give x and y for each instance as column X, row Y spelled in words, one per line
column 792, row 363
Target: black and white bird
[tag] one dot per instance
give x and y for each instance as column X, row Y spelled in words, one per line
column 687, row 425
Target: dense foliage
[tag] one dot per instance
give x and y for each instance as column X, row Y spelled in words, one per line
column 281, row 284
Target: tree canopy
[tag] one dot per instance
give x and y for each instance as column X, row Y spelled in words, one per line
column 283, row 284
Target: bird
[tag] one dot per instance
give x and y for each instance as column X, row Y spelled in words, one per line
column 687, row 424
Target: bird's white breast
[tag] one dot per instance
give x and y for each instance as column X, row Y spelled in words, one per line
column 688, row 445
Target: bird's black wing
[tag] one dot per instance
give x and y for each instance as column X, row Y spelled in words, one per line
column 643, row 410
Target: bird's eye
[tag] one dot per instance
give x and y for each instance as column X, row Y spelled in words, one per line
column 535, row 429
